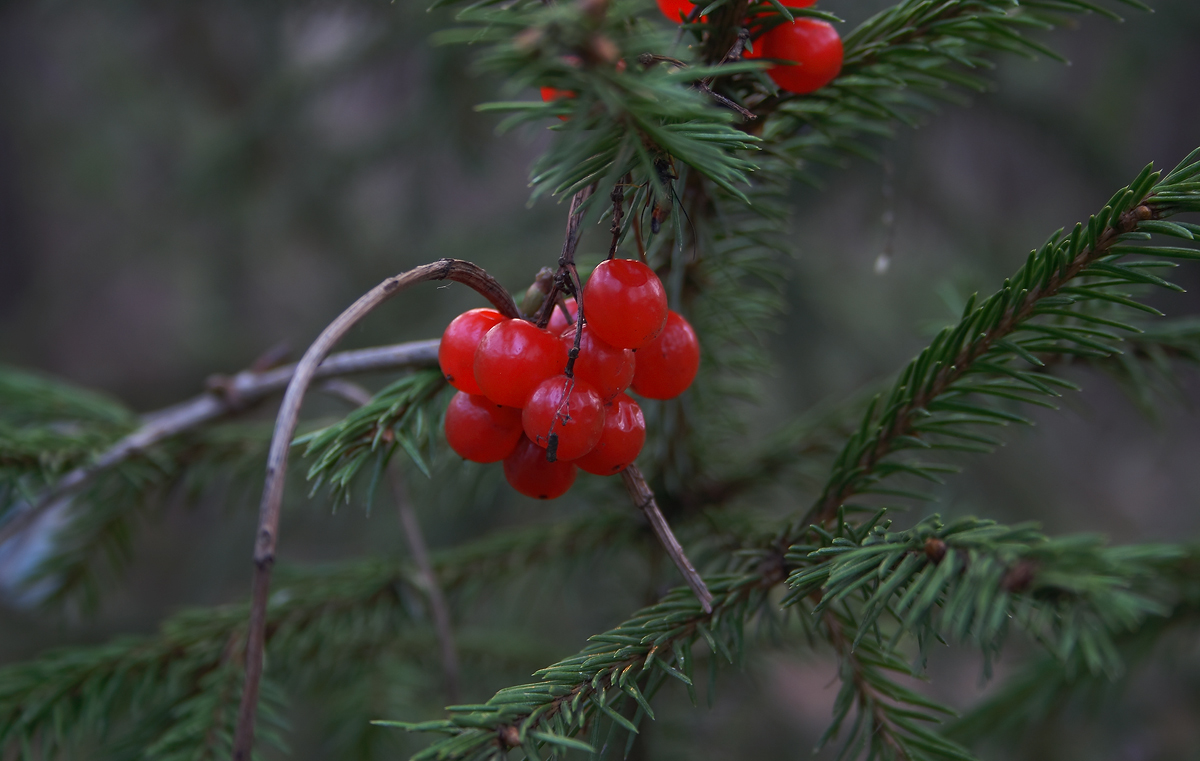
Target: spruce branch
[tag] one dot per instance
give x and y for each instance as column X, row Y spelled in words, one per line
column 887, row 713
column 285, row 428
column 970, row 579
column 226, row 396
column 176, row 683
column 930, row 404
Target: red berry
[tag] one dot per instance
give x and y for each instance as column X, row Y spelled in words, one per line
column 622, row 439
column 527, row 471
column 608, row 369
column 676, row 10
column 797, row 3
column 456, row 352
column 513, row 358
column 553, row 93
column 569, row 409
column 815, row 47
column 480, row 430
column 668, row 365
column 558, row 323
column 625, row 303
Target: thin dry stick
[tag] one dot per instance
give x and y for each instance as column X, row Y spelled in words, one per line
column 277, row 456
column 358, row 396
column 437, row 601
column 643, row 497
column 226, row 395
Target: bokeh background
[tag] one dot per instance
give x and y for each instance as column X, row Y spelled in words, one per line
column 184, row 185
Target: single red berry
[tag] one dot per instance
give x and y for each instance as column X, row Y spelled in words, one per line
column 480, row 430
column 456, row 352
column 815, row 48
column 553, row 93
column 607, row 368
column 568, row 409
column 798, row 3
column 677, row 10
column 513, row 358
column 668, row 365
column 625, row 303
column 622, row 439
column 558, row 323
column 527, row 471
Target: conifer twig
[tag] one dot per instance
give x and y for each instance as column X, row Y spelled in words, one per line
column 285, row 428
column 836, row 493
column 642, row 496
column 225, row 395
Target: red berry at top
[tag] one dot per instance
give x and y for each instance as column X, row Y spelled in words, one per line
column 668, row 365
column 568, row 409
column 480, row 430
column 607, row 368
column 456, row 352
column 513, row 358
column 620, row 442
column 527, row 471
column 815, row 48
column 625, row 303
column 558, row 323
column 676, row 10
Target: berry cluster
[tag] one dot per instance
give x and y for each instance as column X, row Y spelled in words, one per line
column 523, row 400
column 812, row 46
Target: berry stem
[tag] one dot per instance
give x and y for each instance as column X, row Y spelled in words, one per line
column 618, row 198
column 643, row 497
column 566, row 259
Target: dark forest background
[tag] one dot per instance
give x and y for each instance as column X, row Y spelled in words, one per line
column 184, row 185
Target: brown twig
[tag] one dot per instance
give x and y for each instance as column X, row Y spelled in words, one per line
column 643, row 498
column 618, row 201
column 426, row 577
column 226, row 395
column 567, row 257
column 437, row 600
column 277, row 456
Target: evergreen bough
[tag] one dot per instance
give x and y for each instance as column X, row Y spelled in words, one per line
column 672, row 133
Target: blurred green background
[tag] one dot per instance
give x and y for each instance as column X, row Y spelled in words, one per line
column 184, row 185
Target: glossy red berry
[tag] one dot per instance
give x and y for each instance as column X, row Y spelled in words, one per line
column 815, row 47
column 568, row 409
column 668, row 365
column 513, row 358
column 480, row 430
column 607, row 368
column 456, row 352
column 625, row 303
column 527, row 471
column 620, row 442
column 558, row 323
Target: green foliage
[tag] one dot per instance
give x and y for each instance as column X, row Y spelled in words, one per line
column 177, row 691
column 970, row 580
column 398, row 416
column 659, row 129
column 992, row 356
